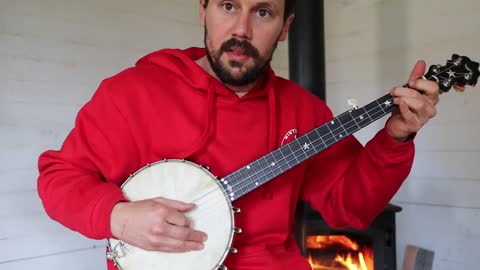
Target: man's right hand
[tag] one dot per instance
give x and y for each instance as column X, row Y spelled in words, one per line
column 156, row 225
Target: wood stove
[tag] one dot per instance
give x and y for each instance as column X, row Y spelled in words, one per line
column 347, row 249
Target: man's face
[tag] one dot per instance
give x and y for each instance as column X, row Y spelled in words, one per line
column 241, row 36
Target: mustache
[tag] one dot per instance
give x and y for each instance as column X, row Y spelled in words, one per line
column 248, row 48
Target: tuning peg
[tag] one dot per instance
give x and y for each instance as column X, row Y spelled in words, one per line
column 352, row 103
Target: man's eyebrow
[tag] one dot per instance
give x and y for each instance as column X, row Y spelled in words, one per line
column 267, row 4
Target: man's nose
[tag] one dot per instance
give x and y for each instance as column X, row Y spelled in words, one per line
column 243, row 26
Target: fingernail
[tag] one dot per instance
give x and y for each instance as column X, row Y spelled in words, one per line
column 200, row 246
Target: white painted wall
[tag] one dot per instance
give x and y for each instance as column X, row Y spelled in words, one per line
column 54, row 53
column 371, row 46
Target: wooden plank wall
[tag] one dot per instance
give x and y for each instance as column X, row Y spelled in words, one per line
column 371, row 46
column 53, row 55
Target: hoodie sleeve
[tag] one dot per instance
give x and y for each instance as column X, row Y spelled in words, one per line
column 350, row 185
column 79, row 184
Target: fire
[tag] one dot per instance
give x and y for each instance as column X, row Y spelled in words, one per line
column 350, row 263
column 321, row 241
column 348, row 254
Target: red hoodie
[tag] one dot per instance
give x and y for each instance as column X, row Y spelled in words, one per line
column 169, row 107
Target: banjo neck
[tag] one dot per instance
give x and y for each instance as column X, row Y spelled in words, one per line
column 459, row 71
column 288, row 156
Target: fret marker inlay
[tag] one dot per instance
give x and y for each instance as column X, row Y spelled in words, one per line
column 306, row 146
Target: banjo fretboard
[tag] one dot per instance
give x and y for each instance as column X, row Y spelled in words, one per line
column 266, row 168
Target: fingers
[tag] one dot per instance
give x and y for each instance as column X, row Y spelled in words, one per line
column 428, row 88
column 416, row 104
column 459, row 88
column 172, row 238
column 419, row 101
column 169, row 244
column 185, row 234
column 173, row 213
column 409, row 117
column 425, row 87
column 418, row 70
column 178, row 205
column 176, row 218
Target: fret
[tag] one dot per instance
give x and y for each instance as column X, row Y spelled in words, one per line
column 267, row 168
column 307, row 146
column 315, row 141
column 298, row 152
column 326, row 135
column 381, row 105
column 286, row 152
column 275, row 165
column 282, row 162
column 322, row 143
column 362, row 118
column 336, row 130
column 356, row 117
column 292, row 152
column 373, row 111
column 348, row 123
column 260, row 164
column 243, row 174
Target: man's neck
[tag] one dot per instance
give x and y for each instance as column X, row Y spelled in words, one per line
column 239, row 90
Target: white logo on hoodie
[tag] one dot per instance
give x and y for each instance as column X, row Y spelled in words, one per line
column 290, row 136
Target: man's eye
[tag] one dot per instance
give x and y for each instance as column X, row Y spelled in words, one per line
column 228, row 7
column 263, row 13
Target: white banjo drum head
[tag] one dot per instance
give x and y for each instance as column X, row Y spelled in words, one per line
column 187, row 182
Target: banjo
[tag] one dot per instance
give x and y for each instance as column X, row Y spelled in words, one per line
column 214, row 213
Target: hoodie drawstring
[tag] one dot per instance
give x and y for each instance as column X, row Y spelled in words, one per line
column 209, row 123
column 272, row 108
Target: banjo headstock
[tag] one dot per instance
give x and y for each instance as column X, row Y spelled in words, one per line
column 458, row 72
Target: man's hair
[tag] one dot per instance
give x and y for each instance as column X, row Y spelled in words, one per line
column 289, row 8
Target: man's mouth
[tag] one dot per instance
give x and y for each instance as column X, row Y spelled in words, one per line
column 238, row 53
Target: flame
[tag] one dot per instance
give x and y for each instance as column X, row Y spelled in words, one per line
column 322, row 241
column 350, row 263
column 351, row 256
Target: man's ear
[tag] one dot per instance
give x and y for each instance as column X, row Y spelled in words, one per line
column 202, row 9
column 286, row 27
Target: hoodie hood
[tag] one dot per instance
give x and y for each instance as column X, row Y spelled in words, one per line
column 182, row 64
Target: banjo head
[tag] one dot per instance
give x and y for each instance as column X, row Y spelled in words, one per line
column 188, row 182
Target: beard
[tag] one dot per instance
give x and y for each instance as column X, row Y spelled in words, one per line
column 224, row 70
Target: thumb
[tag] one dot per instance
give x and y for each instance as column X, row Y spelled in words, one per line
column 418, row 70
column 177, row 205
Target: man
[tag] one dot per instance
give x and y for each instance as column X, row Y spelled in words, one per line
column 223, row 107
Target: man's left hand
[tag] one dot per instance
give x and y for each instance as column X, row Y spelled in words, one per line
column 416, row 105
